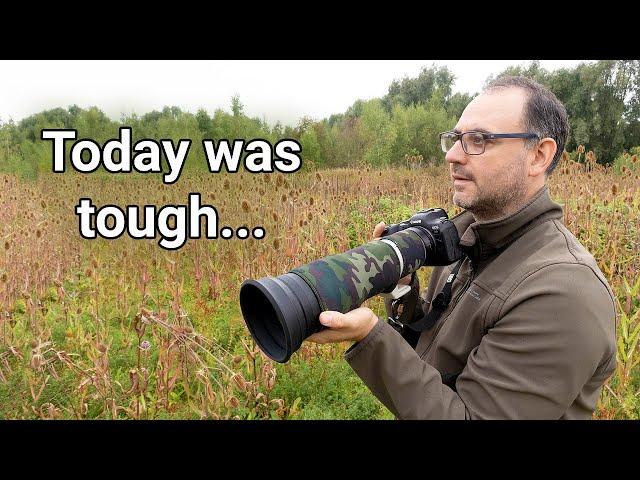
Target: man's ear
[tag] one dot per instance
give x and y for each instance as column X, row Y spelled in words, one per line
column 543, row 156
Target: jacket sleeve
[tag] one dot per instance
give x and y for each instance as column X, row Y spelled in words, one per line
column 555, row 330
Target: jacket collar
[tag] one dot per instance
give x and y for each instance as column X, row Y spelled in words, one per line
column 481, row 240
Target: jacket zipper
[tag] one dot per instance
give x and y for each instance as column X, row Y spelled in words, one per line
column 452, row 305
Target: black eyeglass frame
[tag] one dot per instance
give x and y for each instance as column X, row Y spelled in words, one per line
column 485, row 136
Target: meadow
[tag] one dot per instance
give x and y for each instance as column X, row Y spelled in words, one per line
column 125, row 329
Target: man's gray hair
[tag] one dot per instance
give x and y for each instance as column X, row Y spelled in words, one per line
column 544, row 114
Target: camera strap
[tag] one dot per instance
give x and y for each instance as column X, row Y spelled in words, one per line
column 438, row 305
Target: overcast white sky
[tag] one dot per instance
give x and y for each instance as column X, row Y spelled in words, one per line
column 274, row 90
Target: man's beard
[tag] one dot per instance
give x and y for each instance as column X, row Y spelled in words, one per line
column 497, row 199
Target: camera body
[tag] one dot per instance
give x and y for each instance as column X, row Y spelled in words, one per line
column 437, row 232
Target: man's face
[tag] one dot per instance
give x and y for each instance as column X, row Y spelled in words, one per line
column 490, row 184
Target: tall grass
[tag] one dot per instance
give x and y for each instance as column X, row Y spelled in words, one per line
column 125, row 329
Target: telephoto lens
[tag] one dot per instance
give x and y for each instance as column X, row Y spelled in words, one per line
column 281, row 312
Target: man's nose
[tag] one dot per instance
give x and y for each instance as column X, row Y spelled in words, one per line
column 456, row 154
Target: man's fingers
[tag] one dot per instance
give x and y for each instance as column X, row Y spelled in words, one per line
column 327, row 336
column 342, row 327
column 332, row 319
column 318, row 337
column 378, row 229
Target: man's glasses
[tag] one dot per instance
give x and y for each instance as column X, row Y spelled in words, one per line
column 473, row 143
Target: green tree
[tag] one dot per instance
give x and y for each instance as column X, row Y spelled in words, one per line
column 310, row 154
column 236, row 106
column 417, row 128
column 205, row 124
column 379, row 133
column 602, row 101
column 419, row 90
column 456, row 104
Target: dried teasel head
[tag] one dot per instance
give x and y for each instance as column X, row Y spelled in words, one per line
column 239, row 382
column 36, row 361
column 278, row 402
column 134, row 378
column 271, row 381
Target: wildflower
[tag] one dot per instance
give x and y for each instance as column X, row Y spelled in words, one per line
column 145, row 345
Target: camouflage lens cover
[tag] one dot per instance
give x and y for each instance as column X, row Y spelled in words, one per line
column 343, row 281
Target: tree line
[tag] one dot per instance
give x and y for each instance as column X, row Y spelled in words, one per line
column 401, row 128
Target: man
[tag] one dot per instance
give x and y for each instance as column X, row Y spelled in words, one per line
column 530, row 329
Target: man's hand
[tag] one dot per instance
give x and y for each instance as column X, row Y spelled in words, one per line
column 377, row 233
column 353, row 325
